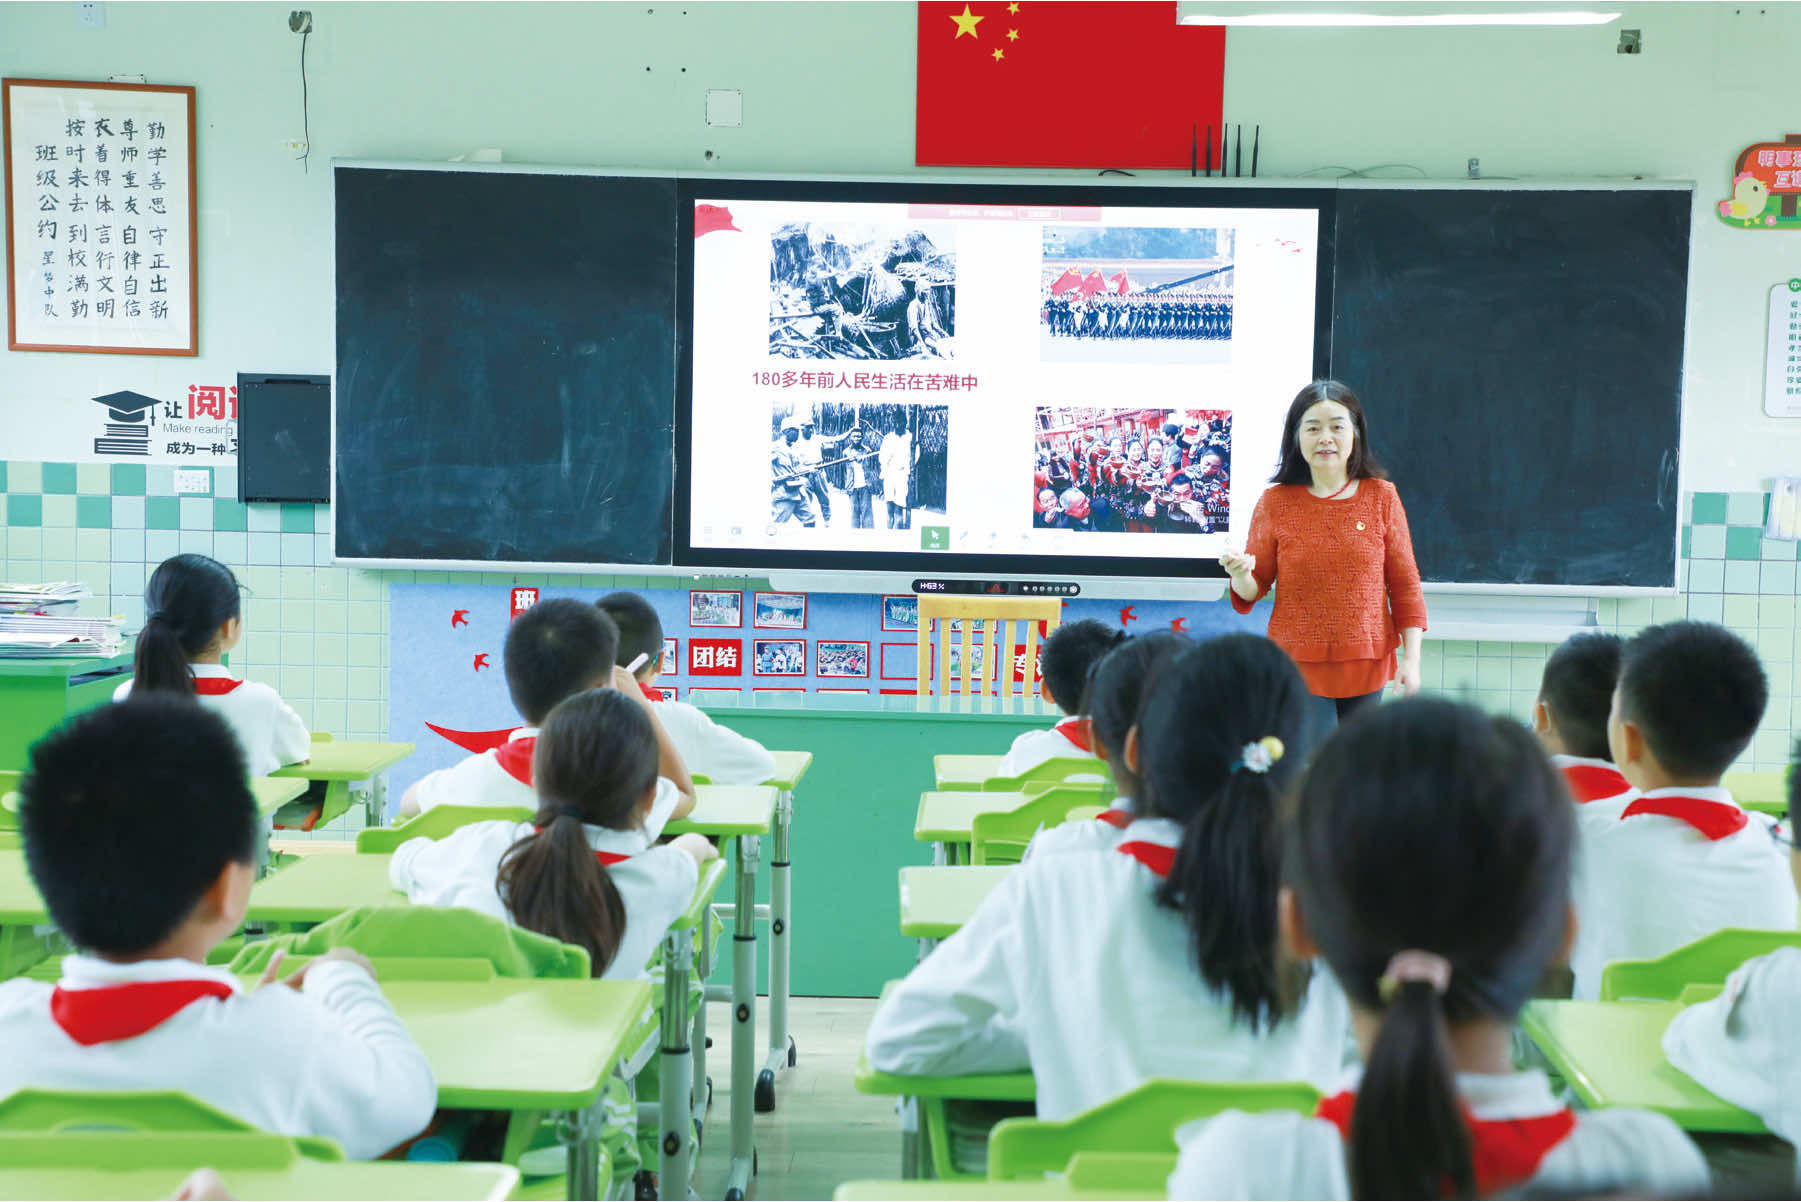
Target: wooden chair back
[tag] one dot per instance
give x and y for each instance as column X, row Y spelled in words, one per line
column 997, row 616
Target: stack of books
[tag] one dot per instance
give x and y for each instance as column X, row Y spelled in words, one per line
column 61, row 597
column 39, row 621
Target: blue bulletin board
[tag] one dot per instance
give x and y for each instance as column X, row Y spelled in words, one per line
column 447, row 689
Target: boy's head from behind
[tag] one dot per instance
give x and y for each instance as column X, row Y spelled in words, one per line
column 1069, row 655
column 557, row 649
column 640, row 631
column 1689, row 700
column 1576, row 694
column 139, row 827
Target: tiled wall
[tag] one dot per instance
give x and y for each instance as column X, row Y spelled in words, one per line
column 318, row 633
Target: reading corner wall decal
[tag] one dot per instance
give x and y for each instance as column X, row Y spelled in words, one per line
column 1766, row 186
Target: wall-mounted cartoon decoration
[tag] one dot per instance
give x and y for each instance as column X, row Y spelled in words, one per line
column 1766, row 186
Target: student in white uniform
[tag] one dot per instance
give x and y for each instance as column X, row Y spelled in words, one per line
column 1156, row 957
column 1115, row 697
column 1428, row 863
column 1684, row 860
column 554, row 650
column 140, row 831
column 584, row 869
column 1570, row 719
column 193, row 616
column 1068, row 657
column 720, row 754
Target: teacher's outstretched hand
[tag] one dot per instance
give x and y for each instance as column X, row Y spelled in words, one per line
column 1332, row 528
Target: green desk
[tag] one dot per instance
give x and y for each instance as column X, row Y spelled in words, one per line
column 964, row 771
column 936, row 902
column 945, row 819
column 252, row 1166
column 24, row 935
column 338, row 764
column 273, row 792
column 1611, row 1053
column 37, row 694
column 1053, row 1189
column 318, row 888
column 742, row 813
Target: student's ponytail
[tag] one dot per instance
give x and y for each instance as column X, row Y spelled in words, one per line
column 1221, row 733
column 595, row 764
column 187, row 600
column 1408, row 1136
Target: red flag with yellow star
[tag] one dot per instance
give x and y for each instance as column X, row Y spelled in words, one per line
column 1001, row 84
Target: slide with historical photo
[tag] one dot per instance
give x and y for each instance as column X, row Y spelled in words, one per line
column 1136, row 294
column 1136, row 471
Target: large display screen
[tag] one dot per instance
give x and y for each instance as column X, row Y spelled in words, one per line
column 939, row 377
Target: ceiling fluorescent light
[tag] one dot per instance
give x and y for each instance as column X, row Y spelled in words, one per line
column 1316, row 18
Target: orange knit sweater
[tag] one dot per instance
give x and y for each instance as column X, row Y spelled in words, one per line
column 1349, row 583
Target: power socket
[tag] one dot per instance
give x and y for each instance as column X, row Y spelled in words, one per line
column 90, row 14
column 294, row 145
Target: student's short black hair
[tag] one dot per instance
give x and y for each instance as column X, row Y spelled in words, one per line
column 1697, row 691
column 555, row 650
column 1794, row 785
column 640, row 630
column 129, row 813
column 1578, row 690
column 1070, row 654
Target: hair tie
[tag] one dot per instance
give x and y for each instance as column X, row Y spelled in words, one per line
column 155, row 615
column 567, row 811
column 1258, row 757
column 1414, row 965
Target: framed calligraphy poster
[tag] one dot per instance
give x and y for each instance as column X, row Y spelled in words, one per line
column 101, row 222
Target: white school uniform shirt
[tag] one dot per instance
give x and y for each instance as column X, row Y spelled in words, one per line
column 1741, row 1045
column 719, row 753
column 270, row 732
column 1631, row 1153
column 502, row 776
column 1649, row 882
column 656, row 883
column 330, row 1059
column 1069, row 737
column 1071, row 968
column 1106, row 830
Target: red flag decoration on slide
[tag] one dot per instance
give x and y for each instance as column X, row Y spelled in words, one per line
column 1093, row 283
column 1015, row 84
column 1069, row 281
column 1120, row 282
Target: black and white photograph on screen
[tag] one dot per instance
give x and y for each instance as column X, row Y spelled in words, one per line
column 779, row 611
column 708, row 608
column 1136, row 294
column 900, row 612
column 842, row 290
column 778, row 657
column 1132, row 471
column 842, row 658
column 853, row 466
column 672, row 649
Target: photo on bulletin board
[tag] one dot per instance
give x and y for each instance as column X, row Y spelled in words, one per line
column 708, row 608
column 778, row 657
column 672, row 656
column 900, row 613
column 900, row 661
column 779, row 611
column 666, row 691
column 843, row 657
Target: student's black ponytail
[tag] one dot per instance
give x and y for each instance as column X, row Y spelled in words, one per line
column 1206, row 707
column 1429, row 854
column 188, row 598
column 596, row 761
column 1115, row 697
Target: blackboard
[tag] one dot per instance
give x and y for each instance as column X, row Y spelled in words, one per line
column 1519, row 356
column 284, row 438
column 506, row 366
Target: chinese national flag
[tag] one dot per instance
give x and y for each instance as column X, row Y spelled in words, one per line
column 1016, row 84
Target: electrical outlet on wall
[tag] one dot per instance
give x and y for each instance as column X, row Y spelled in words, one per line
column 295, row 145
column 90, row 14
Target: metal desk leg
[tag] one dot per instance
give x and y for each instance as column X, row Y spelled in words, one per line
column 674, row 1111
column 781, row 1044
column 579, row 1131
column 375, row 813
column 703, row 1085
column 744, row 1019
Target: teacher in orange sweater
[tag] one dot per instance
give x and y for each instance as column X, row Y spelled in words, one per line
column 1333, row 534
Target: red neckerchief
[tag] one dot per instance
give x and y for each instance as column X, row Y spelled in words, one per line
column 1592, row 782
column 607, row 858
column 1115, row 818
column 515, row 758
column 1154, row 856
column 1504, row 1152
column 650, row 694
column 214, row 686
column 1077, row 731
column 115, row 1012
column 1714, row 819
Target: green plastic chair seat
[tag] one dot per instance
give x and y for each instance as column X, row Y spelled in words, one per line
column 1056, row 771
column 1001, row 837
column 60, row 1111
column 1706, row 961
column 435, row 823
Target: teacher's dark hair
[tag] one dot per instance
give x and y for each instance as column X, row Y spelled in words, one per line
column 1292, row 467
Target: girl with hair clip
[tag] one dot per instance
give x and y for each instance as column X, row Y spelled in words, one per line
column 1155, row 956
column 1115, row 695
column 583, row 870
column 193, row 616
column 1428, row 862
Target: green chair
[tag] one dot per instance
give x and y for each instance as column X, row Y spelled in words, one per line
column 427, row 933
column 75, row 1112
column 435, row 823
column 9, row 800
column 1706, row 961
column 1054, row 771
column 1765, row 792
column 1141, row 1122
column 1001, row 837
